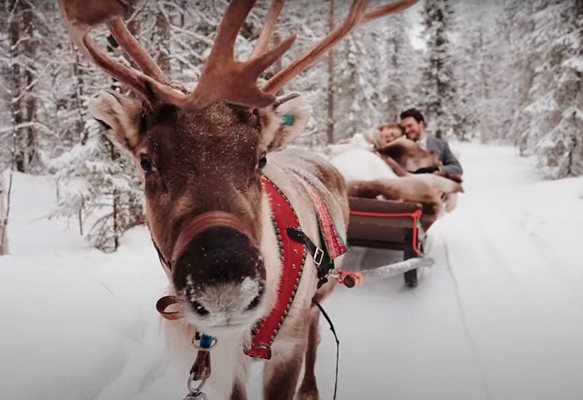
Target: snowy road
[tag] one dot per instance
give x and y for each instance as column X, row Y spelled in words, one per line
column 499, row 316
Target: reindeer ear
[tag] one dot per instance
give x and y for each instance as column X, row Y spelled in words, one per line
column 285, row 120
column 120, row 115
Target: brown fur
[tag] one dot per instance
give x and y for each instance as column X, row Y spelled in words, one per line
column 403, row 190
column 441, row 185
column 94, row 12
column 395, row 166
column 182, row 146
column 282, row 377
column 454, row 177
column 405, row 156
column 238, row 391
column 409, row 155
column 309, row 389
column 412, row 155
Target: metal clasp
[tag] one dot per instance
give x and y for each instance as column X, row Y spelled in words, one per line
column 318, row 256
column 195, row 393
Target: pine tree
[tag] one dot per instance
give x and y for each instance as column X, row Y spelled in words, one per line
column 4, row 202
column 437, row 87
column 478, row 57
column 498, row 67
column 558, row 86
column 312, row 19
column 398, row 70
column 101, row 193
column 518, row 25
column 356, row 89
column 23, row 43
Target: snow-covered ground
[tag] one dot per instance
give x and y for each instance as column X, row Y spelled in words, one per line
column 499, row 316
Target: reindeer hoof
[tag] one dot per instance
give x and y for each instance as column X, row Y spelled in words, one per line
column 308, row 395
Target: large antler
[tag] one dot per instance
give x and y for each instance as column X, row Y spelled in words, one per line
column 265, row 35
column 222, row 78
column 82, row 16
column 357, row 15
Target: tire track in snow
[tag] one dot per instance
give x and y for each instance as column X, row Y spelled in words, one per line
column 464, row 320
column 520, row 242
column 526, row 293
column 484, row 236
column 552, row 261
column 544, row 261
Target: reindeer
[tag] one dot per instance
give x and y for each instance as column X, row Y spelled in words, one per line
column 216, row 171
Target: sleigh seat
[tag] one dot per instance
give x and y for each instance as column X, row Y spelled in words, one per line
column 387, row 224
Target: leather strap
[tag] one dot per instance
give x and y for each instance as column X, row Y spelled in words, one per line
column 324, row 264
column 162, row 306
column 293, row 256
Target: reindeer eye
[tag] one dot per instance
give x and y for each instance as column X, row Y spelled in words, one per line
column 200, row 310
column 146, row 165
column 262, row 162
column 254, row 119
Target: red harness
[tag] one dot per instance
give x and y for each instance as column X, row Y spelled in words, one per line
column 292, row 255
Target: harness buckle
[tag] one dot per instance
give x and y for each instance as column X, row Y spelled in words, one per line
column 318, row 256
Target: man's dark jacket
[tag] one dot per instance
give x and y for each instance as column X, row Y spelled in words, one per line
column 441, row 148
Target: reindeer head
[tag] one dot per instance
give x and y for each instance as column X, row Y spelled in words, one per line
column 202, row 153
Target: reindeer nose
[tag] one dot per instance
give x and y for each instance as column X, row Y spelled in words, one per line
column 218, row 256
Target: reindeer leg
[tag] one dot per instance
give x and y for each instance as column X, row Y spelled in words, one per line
column 238, row 391
column 281, row 375
column 309, row 389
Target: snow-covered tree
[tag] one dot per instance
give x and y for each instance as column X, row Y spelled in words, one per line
column 309, row 21
column 557, row 91
column 98, row 186
column 517, row 26
column 516, row 77
column 4, row 246
column 22, row 21
column 398, row 67
column 477, row 65
column 437, row 87
column 356, row 87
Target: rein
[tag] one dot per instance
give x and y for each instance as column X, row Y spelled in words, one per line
column 337, row 345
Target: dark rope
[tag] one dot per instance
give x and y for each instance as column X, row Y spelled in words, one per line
column 337, row 344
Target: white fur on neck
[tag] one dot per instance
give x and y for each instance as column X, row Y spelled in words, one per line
column 227, row 358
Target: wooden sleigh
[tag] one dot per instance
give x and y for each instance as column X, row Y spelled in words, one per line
column 386, row 224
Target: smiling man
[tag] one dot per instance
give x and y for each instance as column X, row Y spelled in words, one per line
column 413, row 123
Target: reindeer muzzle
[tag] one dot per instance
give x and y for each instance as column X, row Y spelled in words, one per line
column 216, row 247
column 202, row 222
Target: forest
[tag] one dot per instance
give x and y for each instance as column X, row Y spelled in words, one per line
column 499, row 72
